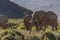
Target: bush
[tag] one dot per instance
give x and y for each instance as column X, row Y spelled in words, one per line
column 3, row 33
column 12, row 35
column 58, row 37
column 49, row 36
column 20, row 34
column 22, row 28
column 34, row 38
column 8, row 37
column 13, row 25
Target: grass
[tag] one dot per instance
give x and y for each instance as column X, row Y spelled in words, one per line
column 33, row 36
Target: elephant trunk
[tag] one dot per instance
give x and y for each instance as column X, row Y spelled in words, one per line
column 32, row 20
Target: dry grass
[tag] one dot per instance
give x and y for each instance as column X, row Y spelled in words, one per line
column 25, row 33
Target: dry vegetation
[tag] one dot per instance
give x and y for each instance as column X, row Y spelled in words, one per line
column 9, row 34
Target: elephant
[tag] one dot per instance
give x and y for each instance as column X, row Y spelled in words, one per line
column 43, row 19
column 51, row 20
column 40, row 16
column 27, row 22
column 3, row 21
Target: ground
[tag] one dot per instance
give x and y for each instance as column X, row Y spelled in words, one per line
column 21, row 28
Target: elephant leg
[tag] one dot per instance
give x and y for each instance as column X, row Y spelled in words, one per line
column 27, row 26
column 43, row 26
column 54, row 28
column 43, row 23
column 38, row 27
column 30, row 27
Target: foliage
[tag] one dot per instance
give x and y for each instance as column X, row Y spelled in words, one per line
column 58, row 37
column 34, row 38
column 49, row 35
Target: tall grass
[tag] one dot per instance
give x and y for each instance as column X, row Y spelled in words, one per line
column 9, row 33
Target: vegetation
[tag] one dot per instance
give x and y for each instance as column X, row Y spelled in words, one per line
column 16, row 31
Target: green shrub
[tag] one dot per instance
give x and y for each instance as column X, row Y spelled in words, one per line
column 11, row 35
column 34, row 38
column 8, row 37
column 48, row 35
column 58, row 37
column 22, row 28
column 13, row 25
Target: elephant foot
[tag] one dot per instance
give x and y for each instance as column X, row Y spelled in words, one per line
column 54, row 29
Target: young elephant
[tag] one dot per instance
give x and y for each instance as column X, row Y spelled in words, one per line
column 27, row 22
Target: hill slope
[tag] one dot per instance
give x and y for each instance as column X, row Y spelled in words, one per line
column 12, row 10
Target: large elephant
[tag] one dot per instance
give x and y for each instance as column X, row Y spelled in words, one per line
column 3, row 21
column 27, row 22
column 51, row 19
column 43, row 19
column 40, row 16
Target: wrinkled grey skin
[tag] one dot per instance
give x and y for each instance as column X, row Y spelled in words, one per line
column 43, row 19
column 27, row 22
column 51, row 20
column 40, row 17
column 3, row 21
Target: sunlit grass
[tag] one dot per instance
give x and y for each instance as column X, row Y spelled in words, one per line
column 20, row 21
column 26, row 33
